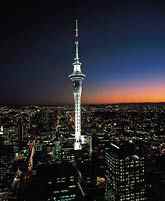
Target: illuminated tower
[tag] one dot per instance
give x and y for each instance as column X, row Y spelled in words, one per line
column 77, row 78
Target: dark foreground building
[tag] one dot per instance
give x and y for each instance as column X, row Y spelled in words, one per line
column 125, row 173
column 55, row 182
column 156, row 180
column 6, row 158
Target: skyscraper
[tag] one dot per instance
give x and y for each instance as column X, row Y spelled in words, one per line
column 20, row 130
column 76, row 77
column 125, row 173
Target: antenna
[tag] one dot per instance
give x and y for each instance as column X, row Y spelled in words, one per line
column 76, row 43
column 76, row 28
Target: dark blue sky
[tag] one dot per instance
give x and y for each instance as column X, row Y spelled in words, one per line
column 122, row 48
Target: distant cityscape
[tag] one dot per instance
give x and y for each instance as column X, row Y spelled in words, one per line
column 122, row 158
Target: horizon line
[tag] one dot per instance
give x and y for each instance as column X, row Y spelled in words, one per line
column 56, row 104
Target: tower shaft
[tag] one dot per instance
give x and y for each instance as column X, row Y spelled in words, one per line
column 77, row 100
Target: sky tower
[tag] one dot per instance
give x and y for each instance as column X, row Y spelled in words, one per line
column 77, row 78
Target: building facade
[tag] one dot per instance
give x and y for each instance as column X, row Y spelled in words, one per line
column 125, row 173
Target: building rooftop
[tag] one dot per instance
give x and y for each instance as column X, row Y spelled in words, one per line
column 125, row 149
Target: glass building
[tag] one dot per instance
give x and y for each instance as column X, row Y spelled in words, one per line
column 125, row 173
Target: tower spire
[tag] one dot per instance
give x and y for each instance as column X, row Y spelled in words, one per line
column 76, row 43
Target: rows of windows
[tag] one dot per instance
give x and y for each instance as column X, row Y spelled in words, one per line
column 125, row 177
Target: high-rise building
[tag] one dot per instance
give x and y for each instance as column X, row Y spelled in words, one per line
column 64, row 183
column 76, row 77
column 6, row 159
column 1, row 135
column 20, row 130
column 57, row 149
column 155, row 177
column 1, row 130
column 125, row 173
column 58, row 181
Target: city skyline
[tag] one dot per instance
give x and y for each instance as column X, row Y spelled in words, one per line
column 121, row 45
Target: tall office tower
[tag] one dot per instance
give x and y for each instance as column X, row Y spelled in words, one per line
column 6, row 158
column 76, row 77
column 57, row 151
column 20, row 131
column 60, row 183
column 125, row 173
column 1, row 130
column 1, row 135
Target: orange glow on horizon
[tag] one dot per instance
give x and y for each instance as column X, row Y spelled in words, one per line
column 127, row 94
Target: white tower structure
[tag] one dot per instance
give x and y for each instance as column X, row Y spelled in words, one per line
column 1, row 130
column 76, row 77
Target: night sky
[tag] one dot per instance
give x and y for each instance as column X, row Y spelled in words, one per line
column 122, row 50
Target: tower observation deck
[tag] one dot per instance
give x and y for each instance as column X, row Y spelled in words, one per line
column 76, row 77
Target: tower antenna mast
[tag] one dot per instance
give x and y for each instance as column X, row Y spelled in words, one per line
column 77, row 43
